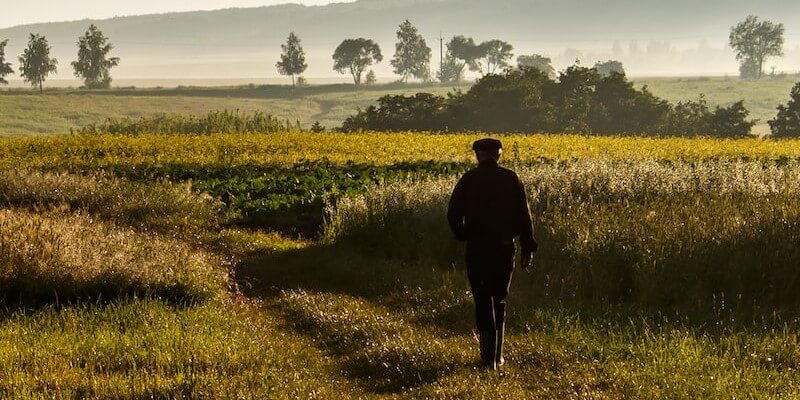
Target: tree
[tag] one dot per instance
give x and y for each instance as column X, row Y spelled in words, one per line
column 787, row 123
column 35, row 62
column 293, row 58
column 371, row 79
column 492, row 56
column 754, row 41
column 5, row 67
column 606, row 68
column 412, row 55
column 92, row 64
column 452, row 70
column 354, row 56
column 537, row 62
column 461, row 52
column 748, row 69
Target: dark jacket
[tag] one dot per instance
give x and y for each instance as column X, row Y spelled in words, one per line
column 489, row 205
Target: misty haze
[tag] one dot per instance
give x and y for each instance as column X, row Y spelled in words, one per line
column 652, row 38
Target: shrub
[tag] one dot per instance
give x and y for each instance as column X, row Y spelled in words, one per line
column 421, row 112
column 527, row 100
column 787, row 123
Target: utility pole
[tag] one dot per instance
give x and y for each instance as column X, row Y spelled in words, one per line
column 441, row 57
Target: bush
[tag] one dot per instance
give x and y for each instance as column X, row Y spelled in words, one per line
column 421, row 112
column 787, row 123
column 527, row 100
column 697, row 118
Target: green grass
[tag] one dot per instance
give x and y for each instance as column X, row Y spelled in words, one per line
column 59, row 110
column 145, row 349
column 761, row 97
column 139, row 290
column 406, row 331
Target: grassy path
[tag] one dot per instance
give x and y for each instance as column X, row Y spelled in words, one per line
column 400, row 331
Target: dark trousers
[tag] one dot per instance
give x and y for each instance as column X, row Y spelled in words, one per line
column 489, row 268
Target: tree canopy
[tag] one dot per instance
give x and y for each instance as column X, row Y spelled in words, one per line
column 412, row 55
column 486, row 58
column 354, row 56
column 35, row 62
column 495, row 55
column 293, row 58
column 527, row 100
column 606, row 68
column 92, row 64
column 461, row 52
column 5, row 67
column 754, row 41
column 787, row 123
column 538, row 62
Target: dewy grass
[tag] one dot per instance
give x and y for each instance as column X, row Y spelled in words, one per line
column 96, row 152
column 58, row 257
column 678, row 233
column 379, row 310
column 137, row 349
column 154, row 206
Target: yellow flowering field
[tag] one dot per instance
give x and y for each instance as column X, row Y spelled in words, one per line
column 375, row 148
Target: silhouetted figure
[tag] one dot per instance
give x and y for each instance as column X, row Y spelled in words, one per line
column 488, row 209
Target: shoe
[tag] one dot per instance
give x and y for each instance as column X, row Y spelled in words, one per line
column 498, row 353
column 488, row 344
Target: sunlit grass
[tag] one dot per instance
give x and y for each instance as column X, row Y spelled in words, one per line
column 666, row 271
column 58, row 257
column 161, row 207
column 141, row 349
column 203, row 151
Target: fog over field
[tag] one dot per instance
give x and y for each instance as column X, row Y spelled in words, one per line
column 652, row 38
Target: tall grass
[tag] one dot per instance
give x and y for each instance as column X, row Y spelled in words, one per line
column 673, row 233
column 160, row 207
column 64, row 257
column 213, row 122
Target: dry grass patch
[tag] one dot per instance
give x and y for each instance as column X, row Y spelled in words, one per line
column 161, row 207
column 56, row 256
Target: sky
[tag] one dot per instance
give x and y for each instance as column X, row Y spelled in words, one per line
column 20, row 12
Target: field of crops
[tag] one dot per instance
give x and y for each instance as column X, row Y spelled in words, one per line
column 319, row 265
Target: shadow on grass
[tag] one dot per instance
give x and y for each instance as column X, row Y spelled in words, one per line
column 40, row 294
column 382, row 367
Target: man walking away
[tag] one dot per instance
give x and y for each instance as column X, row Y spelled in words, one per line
column 488, row 209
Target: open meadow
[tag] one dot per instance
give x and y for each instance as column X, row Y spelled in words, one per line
column 319, row 265
column 60, row 110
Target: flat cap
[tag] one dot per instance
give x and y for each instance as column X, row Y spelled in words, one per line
column 487, row 145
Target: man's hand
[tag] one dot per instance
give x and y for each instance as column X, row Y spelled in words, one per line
column 527, row 261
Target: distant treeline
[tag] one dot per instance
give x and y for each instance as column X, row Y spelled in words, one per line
column 581, row 100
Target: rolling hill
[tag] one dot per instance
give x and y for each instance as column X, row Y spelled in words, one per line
column 651, row 37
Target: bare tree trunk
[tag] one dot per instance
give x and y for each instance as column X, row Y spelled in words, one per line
column 292, row 81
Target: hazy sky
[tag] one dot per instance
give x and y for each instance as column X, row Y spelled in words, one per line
column 21, row 12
